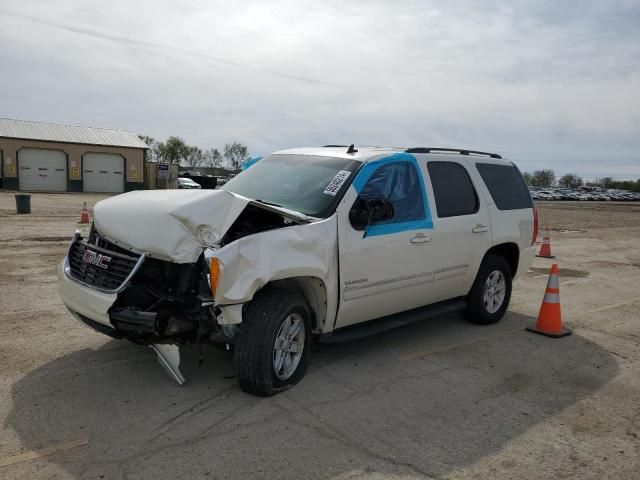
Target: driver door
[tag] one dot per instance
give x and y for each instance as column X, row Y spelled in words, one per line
column 385, row 268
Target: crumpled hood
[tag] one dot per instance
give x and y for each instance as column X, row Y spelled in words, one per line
column 173, row 225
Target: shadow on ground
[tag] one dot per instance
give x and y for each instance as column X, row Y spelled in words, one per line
column 421, row 400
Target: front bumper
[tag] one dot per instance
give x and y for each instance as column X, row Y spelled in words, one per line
column 94, row 309
column 91, row 308
column 81, row 300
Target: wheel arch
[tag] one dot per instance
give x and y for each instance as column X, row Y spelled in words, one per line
column 314, row 290
column 510, row 252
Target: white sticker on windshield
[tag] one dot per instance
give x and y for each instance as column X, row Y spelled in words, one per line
column 336, row 183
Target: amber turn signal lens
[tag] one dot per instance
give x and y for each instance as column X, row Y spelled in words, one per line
column 214, row 275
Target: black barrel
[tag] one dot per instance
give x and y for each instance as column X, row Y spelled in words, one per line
column 23, row 203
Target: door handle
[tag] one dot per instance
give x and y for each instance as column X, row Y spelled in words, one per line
column 480, row 228
column 421, row 238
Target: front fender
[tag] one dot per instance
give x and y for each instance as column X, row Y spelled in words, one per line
column 251, row 262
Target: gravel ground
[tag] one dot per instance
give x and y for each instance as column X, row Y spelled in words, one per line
column 437, row 399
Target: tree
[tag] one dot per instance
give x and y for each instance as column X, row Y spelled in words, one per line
column 570, row 180
column 174, row 150
column 147, row 139
column 213, row 159
column 153, row 154
column 195, row 157
column 527, row 178
column 235, row 154
column 543, row 178
column 606, row 182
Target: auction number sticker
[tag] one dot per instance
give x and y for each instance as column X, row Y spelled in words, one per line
column 336, row 183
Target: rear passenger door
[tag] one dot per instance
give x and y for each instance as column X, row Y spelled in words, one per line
column 461, row 227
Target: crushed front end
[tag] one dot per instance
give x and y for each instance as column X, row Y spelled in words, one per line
column 150, row 267
column 132, row 296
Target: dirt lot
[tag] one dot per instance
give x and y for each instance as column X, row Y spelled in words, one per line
column 438, row 399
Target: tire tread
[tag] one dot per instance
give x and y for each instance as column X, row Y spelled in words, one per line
column 475, row 311
column 253, row 340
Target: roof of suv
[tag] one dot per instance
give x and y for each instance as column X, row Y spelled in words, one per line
column 364, row 154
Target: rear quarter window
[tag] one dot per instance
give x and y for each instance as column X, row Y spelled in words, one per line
column 506, row 185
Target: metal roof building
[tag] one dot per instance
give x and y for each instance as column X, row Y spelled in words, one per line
column 39, row 156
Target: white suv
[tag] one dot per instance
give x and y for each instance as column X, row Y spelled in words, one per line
column 301, row 245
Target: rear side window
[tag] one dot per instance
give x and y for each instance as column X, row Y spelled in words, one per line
column 506, row 185
column 452, row 189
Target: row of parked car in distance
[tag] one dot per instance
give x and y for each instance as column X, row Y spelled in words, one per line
column 602, row 195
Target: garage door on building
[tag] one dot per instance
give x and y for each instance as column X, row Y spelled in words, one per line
column 102, row 172
column 42, row 170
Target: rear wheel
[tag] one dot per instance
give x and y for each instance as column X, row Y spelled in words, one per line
column 490, row 294
column 274, row 342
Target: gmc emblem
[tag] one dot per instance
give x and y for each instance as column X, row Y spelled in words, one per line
column 97, row 259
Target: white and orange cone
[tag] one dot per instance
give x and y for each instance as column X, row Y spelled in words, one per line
column 84, row 217
column 549, row 321
column 545, row 248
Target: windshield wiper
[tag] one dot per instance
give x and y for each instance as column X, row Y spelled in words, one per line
column 294, row 213
column 269, row 203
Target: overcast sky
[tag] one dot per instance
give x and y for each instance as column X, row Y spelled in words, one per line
column 548, row 84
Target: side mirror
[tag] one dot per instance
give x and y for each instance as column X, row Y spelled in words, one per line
column 371, row 210
column 380, row 209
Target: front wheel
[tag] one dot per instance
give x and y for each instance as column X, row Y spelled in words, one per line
column 490, row 294
column 274, row 342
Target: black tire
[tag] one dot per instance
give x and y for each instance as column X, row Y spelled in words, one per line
column 255, row 341
column 477, row 311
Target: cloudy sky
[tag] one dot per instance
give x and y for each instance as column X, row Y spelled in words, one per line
column 550, row 84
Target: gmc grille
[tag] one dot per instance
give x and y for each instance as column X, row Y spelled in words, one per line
column 107, row 275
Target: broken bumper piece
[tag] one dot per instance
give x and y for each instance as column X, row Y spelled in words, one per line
column 150, row 327
column 168, row 355
column 134, row 321
column 169, row 358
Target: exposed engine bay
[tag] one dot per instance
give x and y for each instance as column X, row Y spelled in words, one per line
column 255, row 219
column 165, row 301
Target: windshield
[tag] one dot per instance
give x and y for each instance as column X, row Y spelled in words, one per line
column 305, row 183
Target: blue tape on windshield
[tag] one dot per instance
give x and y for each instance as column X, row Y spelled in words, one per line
column 388, row 228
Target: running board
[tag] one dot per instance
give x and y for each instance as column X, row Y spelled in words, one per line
column 356, row 332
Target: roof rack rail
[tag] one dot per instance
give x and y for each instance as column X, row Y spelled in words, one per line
column 335, row 146
column 456, row 150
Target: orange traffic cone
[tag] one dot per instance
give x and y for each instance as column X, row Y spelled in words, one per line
column 550, row 319
column 545, row 248
column 84, row 218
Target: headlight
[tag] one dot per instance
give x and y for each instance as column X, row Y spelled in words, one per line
column 214, row 275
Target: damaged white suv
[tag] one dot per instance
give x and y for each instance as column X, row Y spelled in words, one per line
column 299, row 246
